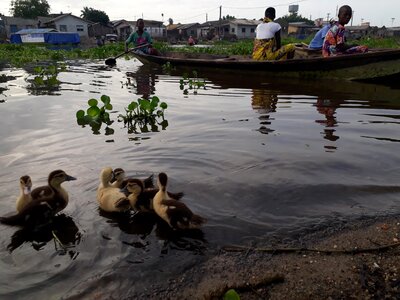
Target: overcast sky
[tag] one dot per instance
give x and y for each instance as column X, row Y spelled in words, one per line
column 379, row 13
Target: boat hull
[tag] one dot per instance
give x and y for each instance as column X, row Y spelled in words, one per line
column 365, row 66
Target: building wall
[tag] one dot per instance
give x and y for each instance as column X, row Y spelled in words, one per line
column 12, row 24
column 156, row 31
column 243, row 31
column 71, row 24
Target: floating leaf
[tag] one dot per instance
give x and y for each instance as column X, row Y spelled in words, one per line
column 231, row 295
column 93, row 111
column 80, row 114
column 132, row 106
column 93, row 102
column 163, row 105
column 105, row 99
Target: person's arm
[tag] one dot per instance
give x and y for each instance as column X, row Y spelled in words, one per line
column 149, row 39
column 277, row 40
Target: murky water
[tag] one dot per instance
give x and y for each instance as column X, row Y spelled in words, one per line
column 258, row 157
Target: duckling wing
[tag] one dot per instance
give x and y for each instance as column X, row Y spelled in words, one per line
column 148, row 182
column 33, row 214
column 151, row 192
column 41, row 192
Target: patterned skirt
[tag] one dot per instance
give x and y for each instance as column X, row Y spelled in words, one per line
column 264, row 50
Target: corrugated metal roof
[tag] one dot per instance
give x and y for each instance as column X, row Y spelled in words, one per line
column 35, row 30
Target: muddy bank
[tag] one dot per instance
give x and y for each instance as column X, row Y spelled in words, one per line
column 301, row 274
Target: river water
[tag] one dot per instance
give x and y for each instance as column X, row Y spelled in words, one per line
column 260, row 158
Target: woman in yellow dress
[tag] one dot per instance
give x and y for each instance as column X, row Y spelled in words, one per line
column 267, row 45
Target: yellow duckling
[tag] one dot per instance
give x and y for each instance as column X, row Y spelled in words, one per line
column 25, row 184
column 174, row 212
column 120, row 180
column 46, row 202
column 110, row 199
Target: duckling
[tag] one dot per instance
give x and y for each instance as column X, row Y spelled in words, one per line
column 110, row 199
column 119, row 180
column 25, row 184
column 46, row 202
column 175, row 213
column 142, row 199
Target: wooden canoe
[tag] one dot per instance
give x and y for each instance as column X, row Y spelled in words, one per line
column 374, row 64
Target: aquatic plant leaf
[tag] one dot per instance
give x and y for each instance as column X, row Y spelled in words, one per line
column 80, row 114
column 109, row 131
column 93, row 102
column 105, row 99
column 132, row 106
column 109, row 106
column 93, row 111
column 231, row 295
column 163, row 105
column 52, row 81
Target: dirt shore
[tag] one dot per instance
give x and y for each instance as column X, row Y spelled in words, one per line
column 368, row 273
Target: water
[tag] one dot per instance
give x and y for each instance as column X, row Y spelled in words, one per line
column 260, row 158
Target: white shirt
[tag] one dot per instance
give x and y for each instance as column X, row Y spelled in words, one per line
column 267, row 30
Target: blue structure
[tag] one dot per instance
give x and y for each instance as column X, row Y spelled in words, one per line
column 44, row 35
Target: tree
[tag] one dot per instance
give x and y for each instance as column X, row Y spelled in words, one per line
column 29, row 9
column 292, row 18
column 228, row 17
column 94, row 15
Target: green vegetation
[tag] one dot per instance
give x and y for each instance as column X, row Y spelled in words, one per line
column 187, row 83
column 231, row 295
column 29, row 9
column 142, row 113
column 46, row 77
column 96, row 116
column 378, row 42
column 21, row 55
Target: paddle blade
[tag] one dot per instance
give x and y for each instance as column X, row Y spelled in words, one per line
column 111, row 61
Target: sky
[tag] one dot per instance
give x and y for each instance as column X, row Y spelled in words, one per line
column 378, row 13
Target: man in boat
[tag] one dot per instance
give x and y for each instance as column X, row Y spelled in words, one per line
column 141, row 37
column 267, row 44
column 335, row 42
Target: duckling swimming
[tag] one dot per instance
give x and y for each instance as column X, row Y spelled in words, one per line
column 25, row 184
column 46, row 202
column 142, row 199
column 175, row 213
column 110, row 199
column 119, row 180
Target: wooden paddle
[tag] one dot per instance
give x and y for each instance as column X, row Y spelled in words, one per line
column 113, row 60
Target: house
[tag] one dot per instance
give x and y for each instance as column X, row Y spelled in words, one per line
column 301, row 30
column 61, row 22
column 70, row 23
column 181, row 32
column 228, row 29
column 98, row 29
column 124, row 28
column 357, row 32
column 393, row 32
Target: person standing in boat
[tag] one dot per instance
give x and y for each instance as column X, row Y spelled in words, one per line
column 267, row 44
column 335, row 41
column 141, row 37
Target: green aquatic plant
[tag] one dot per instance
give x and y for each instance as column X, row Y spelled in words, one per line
column 187, row 83
column 143, row 113
column 46, row 76
column 231, row 295
column 168, row 67
column 95, row 116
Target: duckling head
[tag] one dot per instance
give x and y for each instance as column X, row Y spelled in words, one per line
column 25, row 183
column 133, row 186
column 106, row 175
column 119, row 175
column 59, row 176
column 162, row 181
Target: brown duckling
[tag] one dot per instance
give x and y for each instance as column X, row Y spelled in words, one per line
column 142, row 199
column 119, row 180
column 25, row 184
column 46, row 202
column 110, row 199
column 175, row 213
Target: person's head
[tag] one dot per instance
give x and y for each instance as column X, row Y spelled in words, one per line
column 140, row 24
column 345, row 13
column 270, row 13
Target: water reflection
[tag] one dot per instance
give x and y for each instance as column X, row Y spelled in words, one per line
column 62, row 231
column 265, row 103
column 145, row 79
column 143, row 224
column 328, row 109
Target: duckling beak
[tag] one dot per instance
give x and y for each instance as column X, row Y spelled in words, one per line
column 125, row 190
column 69, row 178
column 27, row 190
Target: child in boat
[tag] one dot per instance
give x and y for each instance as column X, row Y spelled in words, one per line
column 335, row 42
column 267, row 44
column 141, row 37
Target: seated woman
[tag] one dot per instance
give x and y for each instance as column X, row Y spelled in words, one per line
column 335, row 42
column 141, row 37
column 267, row 45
